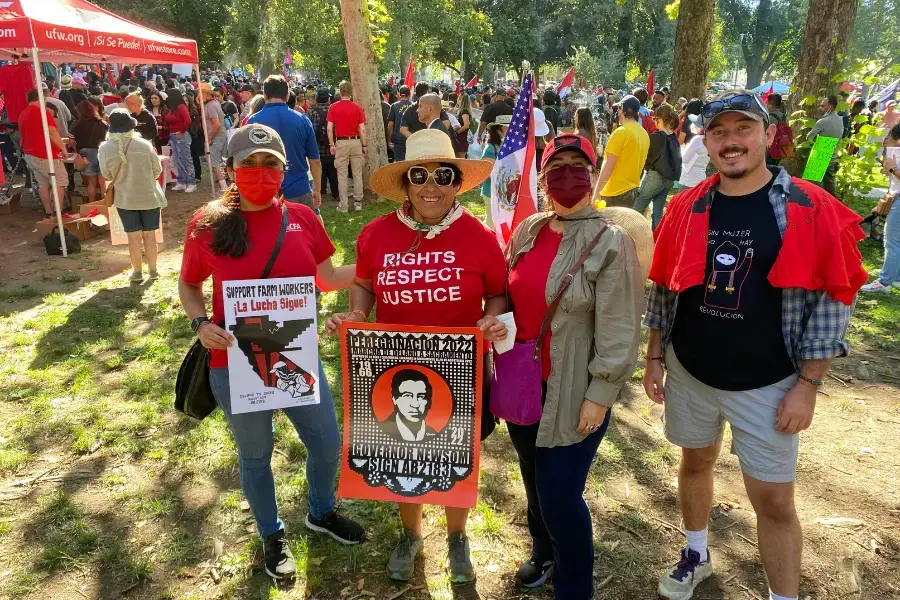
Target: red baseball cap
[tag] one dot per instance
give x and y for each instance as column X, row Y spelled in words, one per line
column 569, row 141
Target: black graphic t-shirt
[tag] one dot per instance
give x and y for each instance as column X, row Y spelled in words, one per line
column 727, row 332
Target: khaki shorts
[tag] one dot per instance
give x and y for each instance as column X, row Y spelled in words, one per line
column 40, row 168
column 217, row 151
column 695, row 416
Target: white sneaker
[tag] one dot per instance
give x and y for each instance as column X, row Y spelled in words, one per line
column 896, row 284
column 358, row 206
column 679, row 582
column 876, row 286
column 191, row 188
column 341, row 209
column 223, row 185
column 178, row 187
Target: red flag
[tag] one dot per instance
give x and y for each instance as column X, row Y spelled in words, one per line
column 567, row 80
column 581, row 82
column 410, row 80
column 458, row 88
column 765, row 97
column 650, row 87
column 472, row 83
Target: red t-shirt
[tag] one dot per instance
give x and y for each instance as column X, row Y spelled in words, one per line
column 527, row 282
column 442, row 283
column 33, row 132
column 306, row 244
column 347, row 117
column 15, row 81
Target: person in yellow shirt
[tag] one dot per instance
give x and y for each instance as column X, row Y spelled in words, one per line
column 626, row 152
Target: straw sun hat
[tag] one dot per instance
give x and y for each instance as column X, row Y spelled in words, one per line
column 428, row 146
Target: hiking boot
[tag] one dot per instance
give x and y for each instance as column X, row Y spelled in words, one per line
column 534, row 573
column 153, row 275
column 279, row 560
column 337, row 526
column 136, row 277
column 679, row 581
column 403, row 558
column 459, row 559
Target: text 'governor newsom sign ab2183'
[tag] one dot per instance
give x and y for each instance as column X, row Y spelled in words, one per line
column 412, row 413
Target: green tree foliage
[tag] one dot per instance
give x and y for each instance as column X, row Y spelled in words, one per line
column 607, row 69
column 201, row 20
column 876, row 37
column 768, row 33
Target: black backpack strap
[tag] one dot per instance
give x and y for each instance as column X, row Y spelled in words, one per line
column 278, row 242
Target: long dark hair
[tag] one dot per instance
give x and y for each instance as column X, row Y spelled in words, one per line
column 149, row 105
column 585, row 119
column 174, row 99
column 224, row 219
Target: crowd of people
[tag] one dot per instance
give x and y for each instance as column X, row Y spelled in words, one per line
column 735, row 253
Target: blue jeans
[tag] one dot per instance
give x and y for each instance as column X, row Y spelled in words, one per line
column 654, row 188
column 558, row 517
column 890, row 270
column 181, row 156
column 316, row 424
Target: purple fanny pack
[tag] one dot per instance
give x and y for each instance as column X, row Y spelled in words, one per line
column 516, row 386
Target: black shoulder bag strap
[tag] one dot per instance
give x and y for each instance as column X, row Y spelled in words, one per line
column 278, row 242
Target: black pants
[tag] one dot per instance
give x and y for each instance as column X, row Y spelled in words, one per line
column 558, row 517
column 329, row 174
column 828, row 181
column 197, row 150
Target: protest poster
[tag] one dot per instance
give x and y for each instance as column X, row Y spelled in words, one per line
column 117, row 234
column 274, row 362
column 412, row 413
column 819, row 158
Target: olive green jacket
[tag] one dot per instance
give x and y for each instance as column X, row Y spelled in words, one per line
column 596, row 329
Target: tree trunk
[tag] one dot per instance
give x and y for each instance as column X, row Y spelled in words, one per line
column 693, row 35
column 364, row 77
column 828, row 27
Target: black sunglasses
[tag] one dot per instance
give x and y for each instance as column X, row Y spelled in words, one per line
column 747, row 102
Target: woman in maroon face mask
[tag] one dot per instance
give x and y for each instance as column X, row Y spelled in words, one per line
column 588, row 351
column 234, row 238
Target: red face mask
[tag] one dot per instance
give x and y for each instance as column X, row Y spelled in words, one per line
column 568, row 185
column 259, row 185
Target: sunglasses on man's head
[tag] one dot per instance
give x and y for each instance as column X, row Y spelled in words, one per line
column 748, row 102
column 443, row 176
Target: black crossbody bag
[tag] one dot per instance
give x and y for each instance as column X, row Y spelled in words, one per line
column 193, row 392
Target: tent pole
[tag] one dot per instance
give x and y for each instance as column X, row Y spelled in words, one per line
column 50, row 162
column 212, row 175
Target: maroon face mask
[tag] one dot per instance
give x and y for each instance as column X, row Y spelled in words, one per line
column 568, row 185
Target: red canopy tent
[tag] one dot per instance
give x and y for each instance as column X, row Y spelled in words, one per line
column 77, row 31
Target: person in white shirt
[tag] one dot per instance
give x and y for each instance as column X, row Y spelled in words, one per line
column 694, row 157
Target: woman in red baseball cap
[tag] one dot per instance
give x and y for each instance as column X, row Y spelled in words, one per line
column 585, row 327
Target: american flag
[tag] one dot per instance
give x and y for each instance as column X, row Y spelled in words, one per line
column 514, row 178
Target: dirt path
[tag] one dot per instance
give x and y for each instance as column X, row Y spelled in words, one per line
column 112, row 495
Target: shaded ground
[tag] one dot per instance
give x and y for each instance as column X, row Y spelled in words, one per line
column 106, row 492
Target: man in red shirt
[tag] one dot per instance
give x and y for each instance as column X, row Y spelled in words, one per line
column 347, row 141
column 35, row 149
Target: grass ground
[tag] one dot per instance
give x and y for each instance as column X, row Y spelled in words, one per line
column 106, row 492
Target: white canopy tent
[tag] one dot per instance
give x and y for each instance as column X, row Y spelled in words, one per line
column 77, row 31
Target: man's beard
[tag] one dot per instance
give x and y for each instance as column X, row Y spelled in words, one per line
column 745, row 171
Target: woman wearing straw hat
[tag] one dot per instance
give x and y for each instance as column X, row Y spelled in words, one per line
column 437, row 233
column 591, row 261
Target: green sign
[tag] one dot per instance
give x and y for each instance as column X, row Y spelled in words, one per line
column 819, row 158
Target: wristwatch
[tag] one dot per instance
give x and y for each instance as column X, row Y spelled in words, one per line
column 196, row 323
